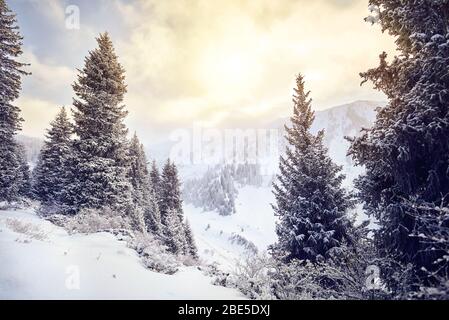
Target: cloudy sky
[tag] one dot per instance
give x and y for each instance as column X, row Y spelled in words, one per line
column 189, row 61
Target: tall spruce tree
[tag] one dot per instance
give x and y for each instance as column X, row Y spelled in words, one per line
column 174, row 233
column 192, row 249
column 143, row 193
column 406, row 152
column 170, row 189
column 155, row 177
column 155, row 180
column 138, row 176
column 10, row 85
column 51, row 174
column 172, row 214
column 153, row 218
column 310, row 202
column 99, row 159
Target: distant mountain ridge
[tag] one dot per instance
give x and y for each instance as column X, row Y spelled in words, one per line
column 338, row 122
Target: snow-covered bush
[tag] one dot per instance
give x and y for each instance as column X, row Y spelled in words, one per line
column 96, row 220
column 261, row 277
column 220, row 277
column 188, row 260
column 154, row 254
column 342, row 276
column 21, row 203
column 302, row 280
column 253, row 277
column 26, row 228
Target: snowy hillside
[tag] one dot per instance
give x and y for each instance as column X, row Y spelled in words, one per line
column 41, row 261
column 221, row 239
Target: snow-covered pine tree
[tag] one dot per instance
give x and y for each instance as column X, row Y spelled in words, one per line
column 174, row 233
column 170, row 189
column 155, row 180
column 153, row 218
column 99, row 161
column 10, row 85
column 155, row 177
column 192, row 250
column 51, row 174
column 172, row 214
column 143, row 194
column 406, row 152
column 310, row 202
column 139, row 178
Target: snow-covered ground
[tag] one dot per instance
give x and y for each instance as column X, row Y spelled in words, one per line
column 254, row 220
column 41, row 261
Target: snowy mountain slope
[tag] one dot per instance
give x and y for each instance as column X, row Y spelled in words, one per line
column 346, row 120
column 253, row 221
column 41, row 261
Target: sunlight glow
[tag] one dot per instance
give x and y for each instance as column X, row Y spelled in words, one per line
column 227, row 74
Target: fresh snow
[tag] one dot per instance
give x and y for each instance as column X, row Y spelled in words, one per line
column 42, row 261
column 253, row 220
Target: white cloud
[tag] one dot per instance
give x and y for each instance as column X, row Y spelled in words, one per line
column 37, row 114
column 199, row 60
column 49, row 81
column 186, row 60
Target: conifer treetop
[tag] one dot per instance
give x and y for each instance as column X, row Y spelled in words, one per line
column 60, row 128
column 101, row 72
column 298, row 134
